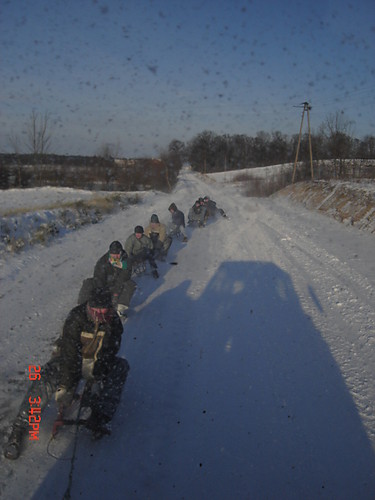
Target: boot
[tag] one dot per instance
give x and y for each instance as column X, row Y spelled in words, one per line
column 12, row 449
column 98, row 425
column 99, row 432
column 140, row 268
column 121, row 310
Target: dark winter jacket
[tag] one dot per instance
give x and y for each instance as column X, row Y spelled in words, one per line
column 111, row 276
column 81, row 340
column 197, row 214
column 211, row 207
column 178, row 218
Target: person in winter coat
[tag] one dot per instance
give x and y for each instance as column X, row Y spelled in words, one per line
column 212, row 209
column 88, row 348
column 197, row 214
column 157, row 232
column 141, row 249
column 177, row 225
column 113, row 271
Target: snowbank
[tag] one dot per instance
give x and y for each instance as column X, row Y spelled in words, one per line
column 352, row 203
column 34, row 216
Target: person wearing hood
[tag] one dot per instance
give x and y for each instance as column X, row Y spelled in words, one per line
column 113, row 271
column 87, row 349
column 177, row 226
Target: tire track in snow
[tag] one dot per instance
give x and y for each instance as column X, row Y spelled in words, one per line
column 338, row 299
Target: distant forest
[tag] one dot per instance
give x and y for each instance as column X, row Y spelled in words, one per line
column 85, row 172
column 207, row 152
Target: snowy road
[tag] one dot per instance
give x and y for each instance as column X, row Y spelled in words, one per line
column 252, row 360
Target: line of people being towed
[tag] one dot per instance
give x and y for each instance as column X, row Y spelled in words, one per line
column 116, row 267
column 91, row 336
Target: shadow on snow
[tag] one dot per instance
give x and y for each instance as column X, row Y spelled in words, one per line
column 232, row 394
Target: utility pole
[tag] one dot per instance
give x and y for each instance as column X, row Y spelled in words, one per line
column 306, row 107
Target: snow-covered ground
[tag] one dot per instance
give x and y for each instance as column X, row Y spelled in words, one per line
column 252, row 360
column 32, row 216
column 253, row 173
column 34, row 198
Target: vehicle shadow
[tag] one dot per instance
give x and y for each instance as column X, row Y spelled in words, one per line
column 262, row 406
column 233, row 393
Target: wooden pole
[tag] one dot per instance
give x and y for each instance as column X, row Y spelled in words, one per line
column 306, row 107
column 299, row 142
column 311, row 163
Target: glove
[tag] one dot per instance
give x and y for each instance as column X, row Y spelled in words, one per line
column 63, row 396
column 121, row 309
column 115, row 300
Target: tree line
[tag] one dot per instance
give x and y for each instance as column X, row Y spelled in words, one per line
column 206, row 152
column 210, row 152
column 85, row 172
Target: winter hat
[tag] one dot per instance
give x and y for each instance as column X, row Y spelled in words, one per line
column 100, row 298
column 139, row 229
column 173, row 207
column 115, row 248
column 154, row 218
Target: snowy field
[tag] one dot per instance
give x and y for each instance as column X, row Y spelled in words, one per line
column 35, row 198
column 252, row 360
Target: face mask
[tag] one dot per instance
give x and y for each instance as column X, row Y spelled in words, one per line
column 98, row 314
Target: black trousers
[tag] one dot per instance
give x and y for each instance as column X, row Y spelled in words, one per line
column 161, row 248
column 144, row 255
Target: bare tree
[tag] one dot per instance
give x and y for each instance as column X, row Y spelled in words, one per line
column 109, row 150
column 173, row 159
column 201, row 153
column 39, row 133
column 14, row 143
column 338, row 131
column 366, row 147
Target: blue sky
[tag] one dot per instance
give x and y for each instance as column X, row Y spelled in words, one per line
column 140, row 73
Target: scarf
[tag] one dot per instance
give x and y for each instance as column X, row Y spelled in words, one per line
column 121, row 264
